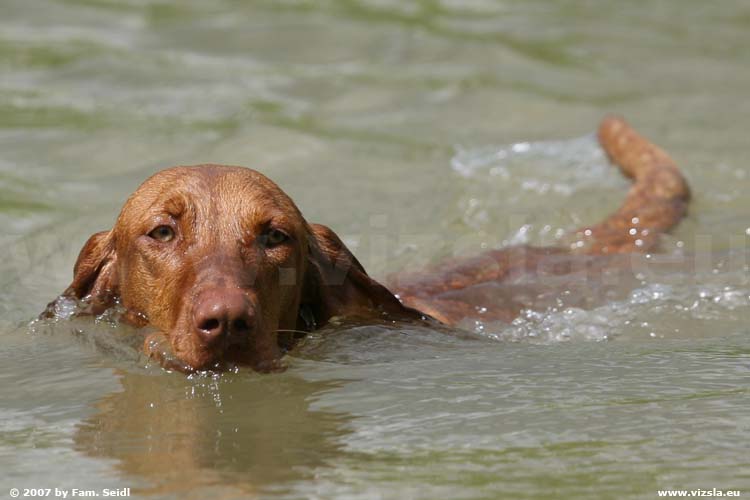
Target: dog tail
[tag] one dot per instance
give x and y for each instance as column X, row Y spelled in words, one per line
column 655, row 203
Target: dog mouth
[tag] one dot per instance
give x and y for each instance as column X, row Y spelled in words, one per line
column 157, row 347
column 236, row 352
column 230, row 356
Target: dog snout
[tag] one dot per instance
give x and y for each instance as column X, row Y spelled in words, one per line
column 223, row 315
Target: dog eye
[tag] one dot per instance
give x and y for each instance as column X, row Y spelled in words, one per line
column 162, row 233
column 275, row 237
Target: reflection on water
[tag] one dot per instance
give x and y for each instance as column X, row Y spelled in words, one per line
column 233, row 434
column 416, row 129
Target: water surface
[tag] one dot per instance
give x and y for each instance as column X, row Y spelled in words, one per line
column 416, row 130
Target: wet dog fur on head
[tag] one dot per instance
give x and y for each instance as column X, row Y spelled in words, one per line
column 219, row 260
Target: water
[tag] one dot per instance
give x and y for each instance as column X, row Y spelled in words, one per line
column 416, row 130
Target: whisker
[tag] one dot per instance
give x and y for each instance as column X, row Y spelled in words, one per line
column 281, row 330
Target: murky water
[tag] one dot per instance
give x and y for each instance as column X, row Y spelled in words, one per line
column 416, row 130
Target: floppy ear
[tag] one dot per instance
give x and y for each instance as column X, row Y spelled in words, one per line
column 94, row 276
column 336, row 284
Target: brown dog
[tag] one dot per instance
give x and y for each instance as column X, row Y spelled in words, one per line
column 222, row 264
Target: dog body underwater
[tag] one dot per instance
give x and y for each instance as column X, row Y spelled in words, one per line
column 222, row 266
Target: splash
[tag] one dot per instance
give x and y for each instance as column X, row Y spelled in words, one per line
column 653, row 311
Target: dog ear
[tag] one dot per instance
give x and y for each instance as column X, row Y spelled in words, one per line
column 336, row 284
column 94, row 276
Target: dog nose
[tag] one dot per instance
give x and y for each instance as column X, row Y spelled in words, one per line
column 221, row 314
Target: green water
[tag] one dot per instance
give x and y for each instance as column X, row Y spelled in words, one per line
column 416, row 130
